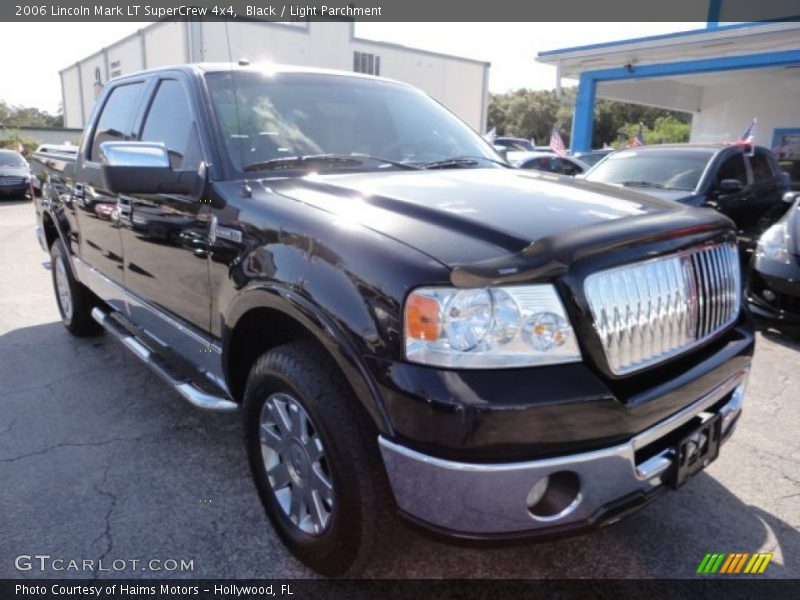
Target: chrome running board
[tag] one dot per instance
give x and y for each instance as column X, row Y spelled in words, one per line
column 185, row 388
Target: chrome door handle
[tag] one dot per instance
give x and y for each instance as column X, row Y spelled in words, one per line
column 124, row 207
column 212, row 229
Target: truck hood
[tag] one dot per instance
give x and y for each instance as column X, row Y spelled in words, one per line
column 470, row 216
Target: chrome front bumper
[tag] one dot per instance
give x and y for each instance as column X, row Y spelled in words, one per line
column 493, row 499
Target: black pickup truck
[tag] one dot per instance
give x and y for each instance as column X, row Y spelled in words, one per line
column 407, row 324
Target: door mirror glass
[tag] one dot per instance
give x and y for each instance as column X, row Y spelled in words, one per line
column 729, row 186
column 135, row 154
column 144, row 168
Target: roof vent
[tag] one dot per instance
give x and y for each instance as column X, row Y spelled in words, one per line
column 243, row 62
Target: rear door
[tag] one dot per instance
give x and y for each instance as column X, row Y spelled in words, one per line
column 766, row 191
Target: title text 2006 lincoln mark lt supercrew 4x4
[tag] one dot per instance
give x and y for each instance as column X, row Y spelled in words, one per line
column 407, row 324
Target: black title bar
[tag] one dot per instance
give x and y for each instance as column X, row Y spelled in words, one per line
column 709, row 588
column 405, row 10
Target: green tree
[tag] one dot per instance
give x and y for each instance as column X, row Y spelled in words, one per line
column 12, row 140
column 527, row 113
column 665, row 130
column 22, row 116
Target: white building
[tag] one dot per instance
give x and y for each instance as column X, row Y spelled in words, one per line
column 461, row 84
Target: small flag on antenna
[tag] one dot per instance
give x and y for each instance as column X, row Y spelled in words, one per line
column 556, row 143
column 638, row 139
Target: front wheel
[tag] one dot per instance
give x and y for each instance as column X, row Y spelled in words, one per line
column 315, row 460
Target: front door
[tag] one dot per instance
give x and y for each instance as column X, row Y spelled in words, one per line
column 733, row 204
column 165, row 236
column 95, row 207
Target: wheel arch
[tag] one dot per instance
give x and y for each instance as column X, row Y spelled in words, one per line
column 51, row 232
column 267, row 315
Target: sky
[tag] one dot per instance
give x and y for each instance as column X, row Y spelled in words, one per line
column 33, row 53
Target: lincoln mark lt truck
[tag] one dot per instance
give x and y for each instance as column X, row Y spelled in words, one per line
column 407, row 325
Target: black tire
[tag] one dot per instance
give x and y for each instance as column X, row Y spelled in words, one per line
column 363, row 506
column 76, row 316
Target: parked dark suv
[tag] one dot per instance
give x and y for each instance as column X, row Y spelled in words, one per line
column 407, row 324
column 746, row 188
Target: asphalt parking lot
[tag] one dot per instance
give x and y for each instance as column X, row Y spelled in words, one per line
column 99, row 459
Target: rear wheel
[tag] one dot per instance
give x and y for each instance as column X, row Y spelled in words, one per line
column 75, row 301
column 315, row 460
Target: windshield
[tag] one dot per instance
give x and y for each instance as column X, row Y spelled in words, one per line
column 12, row 159
column 263, row 117
column 663, row 169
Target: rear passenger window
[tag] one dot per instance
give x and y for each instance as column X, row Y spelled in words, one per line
column 565, row 167
column 762, row 170
column 170, row 122
column 733, row 168
column 115, row 121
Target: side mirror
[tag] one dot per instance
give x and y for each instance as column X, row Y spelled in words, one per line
column 790, row 197
column 730, row 186
column 144, row 168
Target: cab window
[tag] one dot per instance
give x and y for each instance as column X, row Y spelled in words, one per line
column 114, row 123
column 565, row 167
column 169, row 121
column 733, row 168
column 762, row 169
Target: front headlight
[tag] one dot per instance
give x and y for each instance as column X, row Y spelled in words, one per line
column 774, row 244
column 488, row 328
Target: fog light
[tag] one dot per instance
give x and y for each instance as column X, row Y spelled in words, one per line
column 537, row 491
column 769, row 295
column 562, row 494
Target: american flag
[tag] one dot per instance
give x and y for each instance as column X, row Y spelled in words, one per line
column 748, row 137
column 557, row 144
column 638, row 139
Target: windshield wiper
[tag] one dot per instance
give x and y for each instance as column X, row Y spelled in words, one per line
column 459, row 162
column 310, row 160
column 644, row 184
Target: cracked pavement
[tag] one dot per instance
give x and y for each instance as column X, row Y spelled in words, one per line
column 99, row 459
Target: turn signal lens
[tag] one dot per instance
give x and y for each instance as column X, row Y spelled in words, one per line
column 422, row 318
column 545, row 330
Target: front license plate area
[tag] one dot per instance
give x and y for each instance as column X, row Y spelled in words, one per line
column 697, row 450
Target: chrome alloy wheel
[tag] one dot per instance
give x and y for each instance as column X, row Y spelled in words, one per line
column 62, row 289
column 294, row 459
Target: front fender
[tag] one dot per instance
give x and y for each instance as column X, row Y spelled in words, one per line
column 295, row 306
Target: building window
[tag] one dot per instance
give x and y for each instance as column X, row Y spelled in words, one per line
column 366, row 63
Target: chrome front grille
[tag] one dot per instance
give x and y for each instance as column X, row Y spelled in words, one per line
column 647, row 312
column 11, row 180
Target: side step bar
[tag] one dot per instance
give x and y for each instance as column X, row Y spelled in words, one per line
column 187, row 389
